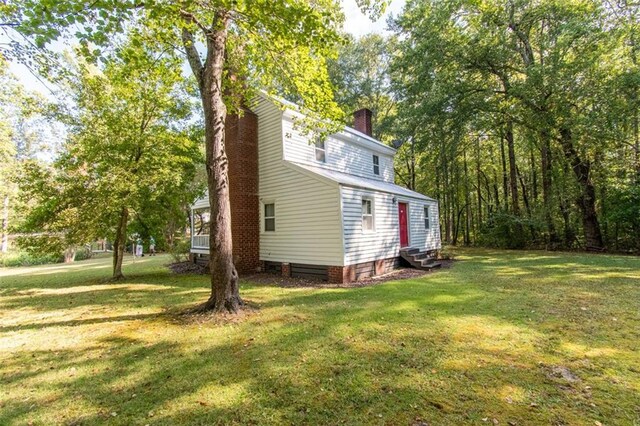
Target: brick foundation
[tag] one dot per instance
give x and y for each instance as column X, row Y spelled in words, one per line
column 350, row 273
column 241, row 142
column 286, row 269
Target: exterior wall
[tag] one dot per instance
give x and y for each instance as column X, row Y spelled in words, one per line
column 384, row 241
column 241, row 139
column 359, row 271
column 432, row 235
column 342, row 156
column 307, row 209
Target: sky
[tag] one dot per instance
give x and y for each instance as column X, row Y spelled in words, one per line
column 356, row 23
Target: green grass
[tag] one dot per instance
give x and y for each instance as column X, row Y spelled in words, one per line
column 466, row 345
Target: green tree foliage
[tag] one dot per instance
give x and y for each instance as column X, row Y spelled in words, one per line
column 129, row 157
column 24, row 134
column 526, row 114
column 278, row 45
column 360, row 77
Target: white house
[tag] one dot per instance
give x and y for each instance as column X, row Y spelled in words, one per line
column 327, row 208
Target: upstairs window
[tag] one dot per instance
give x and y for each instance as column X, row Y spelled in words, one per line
column 367, row 214
column 376, row 165
column 426, row 217
column 321, row 154
column 270, row 217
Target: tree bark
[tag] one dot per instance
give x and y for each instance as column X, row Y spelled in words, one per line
column 225, row 294
column 5, row 224
column 478, row 189
column 587, row 199
column 546, row 165
column 505, row 178
column 513, row 174
column 467, row 201
column 119, row 244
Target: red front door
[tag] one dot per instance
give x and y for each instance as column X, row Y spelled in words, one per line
column 402, row 217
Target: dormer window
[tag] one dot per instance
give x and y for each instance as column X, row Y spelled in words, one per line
column 376, row 165
column 321, row 154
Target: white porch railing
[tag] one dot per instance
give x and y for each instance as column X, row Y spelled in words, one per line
column 200, row 241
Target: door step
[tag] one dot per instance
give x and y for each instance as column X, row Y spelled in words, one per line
column 424, row 260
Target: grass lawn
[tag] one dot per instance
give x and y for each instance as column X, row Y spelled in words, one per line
column 509, row 337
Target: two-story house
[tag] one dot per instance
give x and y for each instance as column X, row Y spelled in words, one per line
column 327, row 208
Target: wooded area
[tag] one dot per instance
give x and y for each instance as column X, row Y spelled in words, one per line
column 520, row 117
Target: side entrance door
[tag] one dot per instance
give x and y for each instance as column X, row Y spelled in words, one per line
column 403, row 222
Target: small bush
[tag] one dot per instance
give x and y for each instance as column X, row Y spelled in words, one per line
column 84, row 253
column 445, row 253
column 26, row 259
column 180, row 250
column 506, row 231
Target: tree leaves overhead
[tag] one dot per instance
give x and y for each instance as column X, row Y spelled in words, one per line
column 279, row 46
column 129, row 148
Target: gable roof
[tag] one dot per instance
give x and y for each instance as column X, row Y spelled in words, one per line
column 348, row 134
column 359, row 182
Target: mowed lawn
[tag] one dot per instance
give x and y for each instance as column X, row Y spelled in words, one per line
column 510, row 337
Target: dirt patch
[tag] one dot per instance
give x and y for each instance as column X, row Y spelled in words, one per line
column 280, row 281
column 562, row 372
column 186, row 268
column 193, row 315
column 398, row 274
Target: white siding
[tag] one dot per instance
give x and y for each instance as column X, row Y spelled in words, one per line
column 308, row 225
column 340, row 155
column 384, row 241
column 419, row 236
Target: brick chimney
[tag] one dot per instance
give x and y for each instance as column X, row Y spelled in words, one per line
column 362, row 121
column 241, row 140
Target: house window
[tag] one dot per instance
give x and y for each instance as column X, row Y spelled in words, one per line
column 270, row 217
column 376, row 165
column 321, row 154
column 426, row 217
column 367, row 214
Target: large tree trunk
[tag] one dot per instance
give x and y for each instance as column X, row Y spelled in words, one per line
column 225, row 294
column 505, row 178
column 467, row 201
column 513, row 173
column 545, row 140
column 587, row 199
column 5, row 224
column 119, row 244
column 478, row 189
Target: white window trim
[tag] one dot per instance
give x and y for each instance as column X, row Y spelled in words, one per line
column 376, row 165
column 426, row 211
column 323, row 150
column 373, row 215
column 264, row 217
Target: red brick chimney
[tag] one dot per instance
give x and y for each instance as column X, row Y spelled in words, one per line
column 241, row 142
column 362, row 121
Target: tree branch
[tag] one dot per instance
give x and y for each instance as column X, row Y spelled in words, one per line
column 193, row 57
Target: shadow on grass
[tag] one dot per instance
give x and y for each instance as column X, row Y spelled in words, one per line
column 453, row 347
